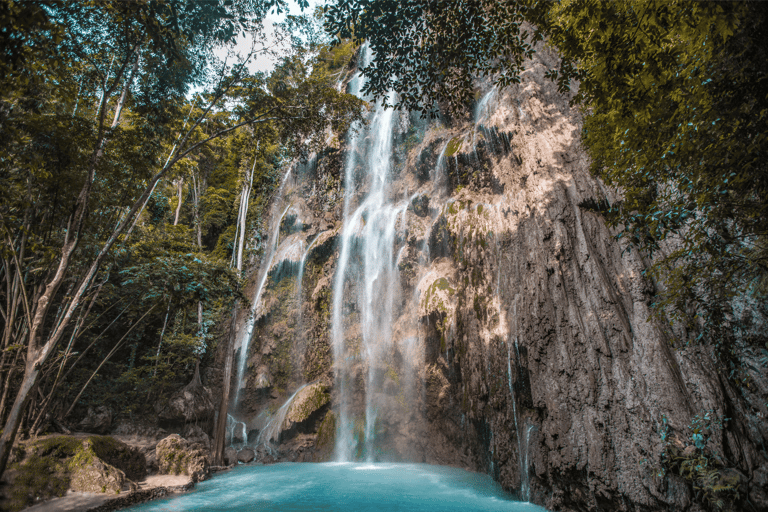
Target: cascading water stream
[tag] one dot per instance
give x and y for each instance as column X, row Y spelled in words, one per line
column 343, row 446
column 270, row 434
column 371, row 229
column 522, row 456
column 269, row 254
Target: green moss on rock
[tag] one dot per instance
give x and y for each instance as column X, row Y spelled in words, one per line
column 47, row 468
column 309, row 400
column 176, row 456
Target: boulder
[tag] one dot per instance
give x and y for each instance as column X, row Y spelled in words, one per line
column 97, row 420
column 307, row 401
column 230, row 456
column 176, row 456
column 95, row 475
column 246, row 455
column 192, row 404
column 195, row 435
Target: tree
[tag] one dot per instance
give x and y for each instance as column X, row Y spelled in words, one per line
column 90, row 106
column 430, row 51
column 676, row 108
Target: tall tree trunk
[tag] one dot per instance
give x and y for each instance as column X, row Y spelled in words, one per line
column 38, row 352
column 221, row 423
column 180, row 189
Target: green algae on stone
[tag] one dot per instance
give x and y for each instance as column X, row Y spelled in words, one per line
column 453, row 146
column 176, row 456
column 48, row 468
column 309, row 400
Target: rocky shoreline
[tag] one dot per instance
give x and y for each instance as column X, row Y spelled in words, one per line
column 85, row 472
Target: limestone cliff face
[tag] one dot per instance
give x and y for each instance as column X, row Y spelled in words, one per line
column 518, row 339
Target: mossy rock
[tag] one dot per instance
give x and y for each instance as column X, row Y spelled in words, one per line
column 47, row 468
column 326, row 438
column 129, row 460
column 453, row 146
column 176, row 456
column 309, row 400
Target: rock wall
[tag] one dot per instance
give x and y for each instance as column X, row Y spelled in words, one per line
column 523, row 339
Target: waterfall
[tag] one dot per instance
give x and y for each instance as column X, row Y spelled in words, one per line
column 244, row 338
column 525, row 490
column 370, row 232
column 232, row 426
column 270, row 434
column 483, row 110
column 343, row 446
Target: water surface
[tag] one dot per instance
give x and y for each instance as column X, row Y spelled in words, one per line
column 344, row 487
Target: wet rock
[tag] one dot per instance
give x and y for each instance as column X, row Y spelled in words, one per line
column 195, row 435
column 230, row 456
column 97, row 420
column 246, row 455
column 176, row 456
column 307, row 402
column 534, row 353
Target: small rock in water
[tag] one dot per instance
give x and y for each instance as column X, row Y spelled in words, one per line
column 246, row 455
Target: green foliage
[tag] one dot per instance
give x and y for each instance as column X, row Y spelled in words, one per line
column 430, row 51
column 711, row 481
column 677, row 121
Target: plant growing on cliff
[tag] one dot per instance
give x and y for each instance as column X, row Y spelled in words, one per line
column 695, row 461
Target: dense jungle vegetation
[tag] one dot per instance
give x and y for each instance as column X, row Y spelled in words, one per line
column 136, row 165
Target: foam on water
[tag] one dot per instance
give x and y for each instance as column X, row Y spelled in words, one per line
column 344, row 487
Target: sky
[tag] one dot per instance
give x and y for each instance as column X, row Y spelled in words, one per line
column 261, row 62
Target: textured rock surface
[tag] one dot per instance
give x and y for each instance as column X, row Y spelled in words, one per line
column 230, row 456
column 307, row 402
column 246, row 455
column 193, row 404
column 97, row 420
column 175, row 455
column 97, row 476
column 534, row 356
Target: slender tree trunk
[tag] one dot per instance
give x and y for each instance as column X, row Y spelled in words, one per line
column 160, row 343
column 104, row 361
column 7, row 386
column 38, row 352
column 221, row 423
column 180, row 189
